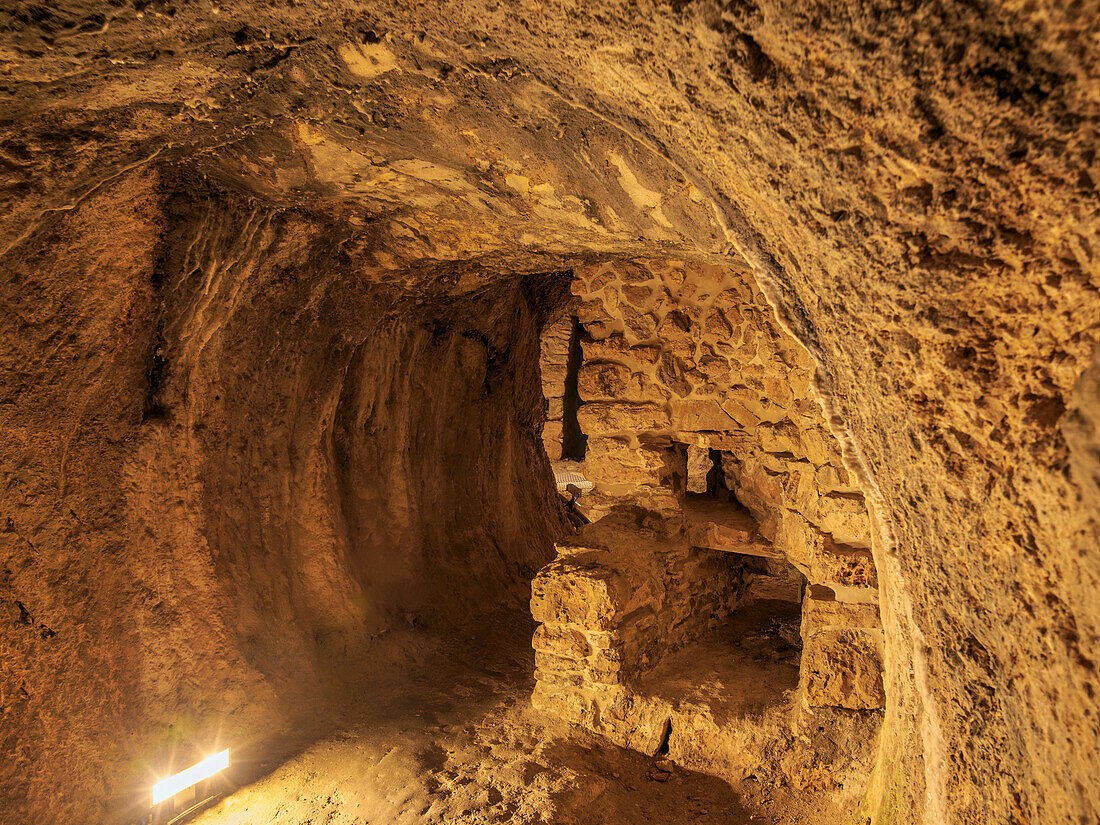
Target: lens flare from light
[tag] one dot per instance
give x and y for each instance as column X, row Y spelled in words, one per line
column 169, row 787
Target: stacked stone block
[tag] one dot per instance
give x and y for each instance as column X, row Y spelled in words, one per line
column 684, row 360
column 615, row 600
column 554, row 364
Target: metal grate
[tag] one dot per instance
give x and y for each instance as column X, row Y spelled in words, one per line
column 563, row 478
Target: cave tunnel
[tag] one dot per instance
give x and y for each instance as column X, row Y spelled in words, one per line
column 672, row 412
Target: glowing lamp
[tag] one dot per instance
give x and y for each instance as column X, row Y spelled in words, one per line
column 172, row 785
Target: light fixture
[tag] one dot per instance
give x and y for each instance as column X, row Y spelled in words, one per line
column 172, row 785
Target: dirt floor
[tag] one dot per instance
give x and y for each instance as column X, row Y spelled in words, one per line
column 457, row 742
column 744, row 667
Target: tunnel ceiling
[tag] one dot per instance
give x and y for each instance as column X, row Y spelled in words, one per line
column 914, row 189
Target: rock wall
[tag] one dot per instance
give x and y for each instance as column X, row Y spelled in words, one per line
column 689, row 387
column 686, row 359
column 914, row 187
column 557, row 347
column 611, row 605
column 243, row 478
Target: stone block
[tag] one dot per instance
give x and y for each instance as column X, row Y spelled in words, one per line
column 616, row 348
column 561, row 641
column 606, row 418
column 603, row 672
column 552, row 439
column 553, row 379
column 603, row 380
column 715, row 369
column 782, row 438
column 552, row 680
column 555, row 408
column 757, row 488
column 843, row 668
column 820, row 446
column 699, row 465
column 672, row 371
column 778, row 391
column 741, row 413
column 715, row 325
column 612, row 381
column 646, row 353
column 640, row 325
column 798, row 480
column 600, row 640
column 823, row 614
column 557, row 358
column 612, row 460
column 575, row 590
column 638, row 294
column 674, row 332
column 731, row 531
column 595, row 319
column 754, row 404
column 548, row 662
column 700, row 415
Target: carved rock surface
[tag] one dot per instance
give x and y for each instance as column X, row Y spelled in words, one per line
column 201, row 408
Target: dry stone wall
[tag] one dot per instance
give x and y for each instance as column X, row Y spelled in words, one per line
column 657, row 594
column 616, row 600
column 686, row 380
column 553, row 364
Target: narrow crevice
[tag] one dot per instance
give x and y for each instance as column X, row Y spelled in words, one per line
column 574, row 441
column 662, row 748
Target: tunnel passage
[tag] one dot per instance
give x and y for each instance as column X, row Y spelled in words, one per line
column 916, row 192
column 725, row 585
column 314, row 474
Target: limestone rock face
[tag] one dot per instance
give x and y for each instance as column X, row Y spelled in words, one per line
column 841, row 655
column 196, row 390
column 260, row 483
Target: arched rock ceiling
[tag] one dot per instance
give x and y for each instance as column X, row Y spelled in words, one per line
column 915, row 187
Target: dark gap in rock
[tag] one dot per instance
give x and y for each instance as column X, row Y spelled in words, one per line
column 574, row 441
column 662, row 748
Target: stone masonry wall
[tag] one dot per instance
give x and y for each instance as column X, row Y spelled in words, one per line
column 616, row 599
column 681, row 359
column 553, row 363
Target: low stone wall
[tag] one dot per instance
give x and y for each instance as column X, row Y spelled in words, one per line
column 615, row 601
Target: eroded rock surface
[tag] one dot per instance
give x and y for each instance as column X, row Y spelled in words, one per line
column 719, row 496
column 200, row 195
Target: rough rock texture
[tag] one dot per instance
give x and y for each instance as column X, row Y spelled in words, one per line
column 685, row 364
column 915, row 188
column 264, row 471
column 683, row 367
column 715, row 480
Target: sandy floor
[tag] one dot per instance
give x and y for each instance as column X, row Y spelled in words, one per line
column 459, row 743
column 743, row 667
